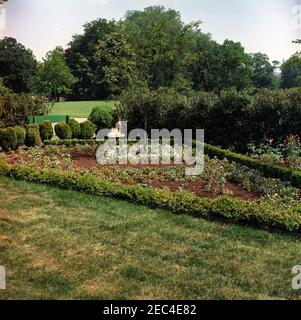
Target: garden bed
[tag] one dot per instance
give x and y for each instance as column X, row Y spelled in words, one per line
column 170, row 177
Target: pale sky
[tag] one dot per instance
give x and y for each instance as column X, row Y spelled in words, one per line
column 260, row 25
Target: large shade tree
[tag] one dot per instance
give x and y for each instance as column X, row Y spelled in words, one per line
column 116, row 64
column 163, row 44
column 81, row 59
column 54, row 77
column 263, row 71
column 17, row 65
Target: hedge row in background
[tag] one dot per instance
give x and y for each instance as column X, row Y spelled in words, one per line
column 179, row 202
column 230, row 119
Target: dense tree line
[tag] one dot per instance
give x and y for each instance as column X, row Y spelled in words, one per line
column 148, row 49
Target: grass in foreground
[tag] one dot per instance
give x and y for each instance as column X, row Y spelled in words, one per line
column 78, row 109
column 60, row 244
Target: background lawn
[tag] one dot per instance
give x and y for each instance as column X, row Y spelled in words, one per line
column 60, row 244
column 79, row 109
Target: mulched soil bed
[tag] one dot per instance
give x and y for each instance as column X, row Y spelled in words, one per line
column 87, row 161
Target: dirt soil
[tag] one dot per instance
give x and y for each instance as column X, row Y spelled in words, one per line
column 87, row 161
column 198, row 187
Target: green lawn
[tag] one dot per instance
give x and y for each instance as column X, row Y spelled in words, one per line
column 60, row 244
column 79, row 109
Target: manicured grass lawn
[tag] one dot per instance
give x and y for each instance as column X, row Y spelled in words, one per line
column 60, row 244
column 79, row 109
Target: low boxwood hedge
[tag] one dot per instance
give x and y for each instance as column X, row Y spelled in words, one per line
column 259, row 212
column 282, row 173
column 70, row 142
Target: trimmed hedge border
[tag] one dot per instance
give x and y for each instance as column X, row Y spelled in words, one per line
column 70, row 142
column 282, row 173
column 179, row 202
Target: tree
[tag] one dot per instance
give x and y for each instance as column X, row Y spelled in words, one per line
column 263, row 75
column 117, row 64
column 162, row 42
column 234, row 70
column 17, row 65
column 81, row 59
column 54, row 77
column 291, row 71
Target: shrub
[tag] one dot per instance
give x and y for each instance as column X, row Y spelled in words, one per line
column 273, row 171
column 102, row 117
column 8, row 139
column 87, row 130
column 262, row 213
column 21, row 136
column 75, row 128
column 16, row 108
column 63, row 131
column 46, row 130
column 33, row 137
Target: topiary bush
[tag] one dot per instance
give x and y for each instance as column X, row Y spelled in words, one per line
column 75, row 128
column 33, row 137
column 46, row 130
column 87, row 130
column 8, row 139
column 21, row 136
column 102, row 117
column 63, row 131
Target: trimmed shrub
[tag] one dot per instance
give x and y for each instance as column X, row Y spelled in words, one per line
column 282, row 173
column 46, row 130
column 21, row 136
column 102, row 117
column 75, row 128
column 87, row 130
column 63, row 131
column 8, row 139
column 33, row 137
column 262, row 213
column 71, row 142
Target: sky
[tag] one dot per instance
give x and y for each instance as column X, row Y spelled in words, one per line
column 267, row 26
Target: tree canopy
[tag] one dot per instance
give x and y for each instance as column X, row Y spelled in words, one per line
column 54, row 76
column 17, row 65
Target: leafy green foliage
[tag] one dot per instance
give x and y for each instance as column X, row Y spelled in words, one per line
column 33, row 137
column 75, row 128
column 8, row 139
column 282, row 173
column 291, row 72
column 17, row 65
column 16, row 108
column 54, row 77
column 263, row 213
column 87, row 130
column 46, row 130
column 263, row 75
column 117, row 64
column 81, row 59
column 21, row 136
column 63, row 130
column 102, row 117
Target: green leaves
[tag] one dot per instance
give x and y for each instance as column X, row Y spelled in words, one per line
column 54, row 77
